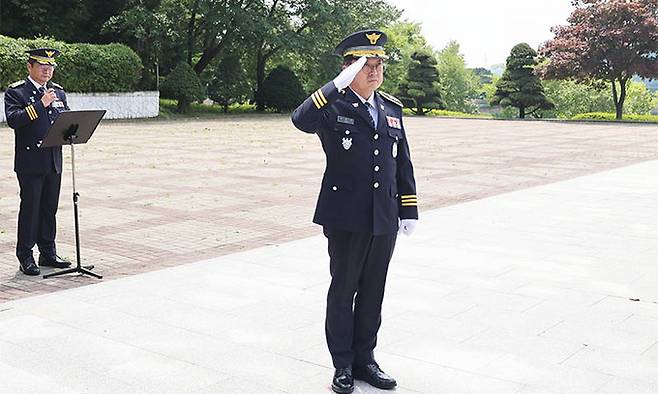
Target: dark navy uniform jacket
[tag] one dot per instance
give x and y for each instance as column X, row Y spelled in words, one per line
column 30, row 121
column 369, row 179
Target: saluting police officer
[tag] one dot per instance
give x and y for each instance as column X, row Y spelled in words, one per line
column 31, row 106
column 368, row 194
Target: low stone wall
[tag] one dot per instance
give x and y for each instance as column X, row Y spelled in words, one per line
column 118, row 105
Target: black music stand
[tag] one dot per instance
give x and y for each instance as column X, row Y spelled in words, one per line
column 72, row 128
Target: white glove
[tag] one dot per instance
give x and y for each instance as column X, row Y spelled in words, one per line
column 345, row 78
column 407, row 226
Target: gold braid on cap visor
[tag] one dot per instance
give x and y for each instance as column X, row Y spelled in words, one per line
column 43, row 60
column 365, row 52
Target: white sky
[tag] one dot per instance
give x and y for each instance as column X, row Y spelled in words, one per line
column 486, row 30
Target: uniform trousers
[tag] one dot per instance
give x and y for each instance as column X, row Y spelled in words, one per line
column 358, row 266
column 36, row 217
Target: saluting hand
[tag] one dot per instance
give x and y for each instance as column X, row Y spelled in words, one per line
column 49, row 97
column 345, row 78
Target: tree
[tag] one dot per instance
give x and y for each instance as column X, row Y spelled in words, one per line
column 520, row 86
column 459, row 86
column 572, row 98
column 310, row 29
column 421, row 91
column 639, row 100
column 229, row 82
column 404, row 38
column 183, row 84
column 484, row 75
column 609, row 40
column 74, row 21
column 152, row 29
column 282, row 90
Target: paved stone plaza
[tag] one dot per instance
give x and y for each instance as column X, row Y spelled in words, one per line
column 159, row 194
column 550, row 289
column 533, row 269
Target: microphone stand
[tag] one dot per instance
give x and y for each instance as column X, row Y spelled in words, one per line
column 70, row 137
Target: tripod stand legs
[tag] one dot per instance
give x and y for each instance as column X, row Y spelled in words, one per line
column 74, row 270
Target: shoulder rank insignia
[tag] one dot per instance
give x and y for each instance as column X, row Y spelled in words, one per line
column 391, row 98
column 17, row 84
column 58, row 86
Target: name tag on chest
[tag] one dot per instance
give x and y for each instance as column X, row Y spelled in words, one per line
column 345, row 120
column 58, row 104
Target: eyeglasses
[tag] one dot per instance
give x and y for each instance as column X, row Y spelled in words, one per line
column 45, row 66
column 367, row 68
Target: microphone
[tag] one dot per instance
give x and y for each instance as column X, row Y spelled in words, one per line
column 49, row 86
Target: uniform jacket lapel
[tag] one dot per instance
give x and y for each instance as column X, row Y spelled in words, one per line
column 361, row 109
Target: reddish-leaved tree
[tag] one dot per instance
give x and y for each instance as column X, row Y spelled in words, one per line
column 606, row 40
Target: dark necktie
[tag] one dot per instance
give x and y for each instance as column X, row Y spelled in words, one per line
column 372, row 120
column 42, row 90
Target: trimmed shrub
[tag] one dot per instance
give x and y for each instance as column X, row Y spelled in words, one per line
column 282, row 90
column 184, row 85
column 612, row 116
column 81, row 68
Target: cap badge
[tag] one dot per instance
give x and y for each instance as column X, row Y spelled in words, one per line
column 373, row 37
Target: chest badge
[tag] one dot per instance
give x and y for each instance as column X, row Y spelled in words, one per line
column 394, row 122
column 355, row 105
column 394, row 152
column 32, row 99
column 347, row 143
column 58, row 104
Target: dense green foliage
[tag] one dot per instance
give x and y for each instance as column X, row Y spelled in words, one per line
column 232, row 45
column 184, row 85
column 70, row 21
column 80, row 68
column 420, row 91
column 610, row 116
column 520, row 86
column 228, row 83
column 459, row 85
column 606, row 40
column 282, row 90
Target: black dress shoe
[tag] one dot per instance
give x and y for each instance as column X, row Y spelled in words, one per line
column 374, row 376
column 343, row 382
column 53, row 261
column 28, row 266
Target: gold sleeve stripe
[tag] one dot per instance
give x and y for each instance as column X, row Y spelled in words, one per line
column 317, row 96
column 408, row 195
column 319, row 100
column 410, row 205
column 323, row 100
column 410, row 199
column 315, row 100
column 31, row 112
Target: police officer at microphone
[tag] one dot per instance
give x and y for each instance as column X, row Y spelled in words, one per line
column 368, row 194
column 31, row 106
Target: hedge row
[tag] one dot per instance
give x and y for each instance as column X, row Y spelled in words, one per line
column 611, row 116
column 80, row 68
